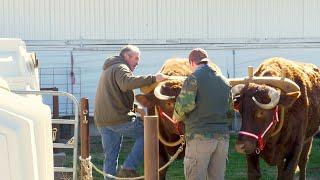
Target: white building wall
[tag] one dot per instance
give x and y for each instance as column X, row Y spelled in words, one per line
column 159, row 19
column 93, row 30
column 152, row 58
column 312, row 18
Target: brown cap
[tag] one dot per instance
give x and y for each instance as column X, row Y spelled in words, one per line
column 198, row 56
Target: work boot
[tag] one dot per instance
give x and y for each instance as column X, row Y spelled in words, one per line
column 122, row 172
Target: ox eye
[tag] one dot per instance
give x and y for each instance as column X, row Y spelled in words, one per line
column 259, row 114
column 169, row 103
column 236, row 98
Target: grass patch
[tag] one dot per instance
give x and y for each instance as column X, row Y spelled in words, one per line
column 236, row 166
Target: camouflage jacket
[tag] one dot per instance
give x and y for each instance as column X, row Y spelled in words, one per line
column 186, row 103
column 186, row 100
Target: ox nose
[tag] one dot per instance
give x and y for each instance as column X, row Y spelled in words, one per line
column 240, row 148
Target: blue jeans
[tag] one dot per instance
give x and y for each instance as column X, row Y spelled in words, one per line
column 112, row 137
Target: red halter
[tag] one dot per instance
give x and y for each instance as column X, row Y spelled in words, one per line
column 259, row 138
column 176, row 125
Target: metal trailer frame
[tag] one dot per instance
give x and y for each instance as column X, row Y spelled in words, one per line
column 74, row 122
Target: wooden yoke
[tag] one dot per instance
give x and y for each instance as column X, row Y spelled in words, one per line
column 282, row 82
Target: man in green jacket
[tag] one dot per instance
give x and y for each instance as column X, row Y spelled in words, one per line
column 114, row 113
column 204, row 104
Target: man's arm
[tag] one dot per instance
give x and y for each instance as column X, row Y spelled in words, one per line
column 186, row 101
column 230, row 111
column 127, row 81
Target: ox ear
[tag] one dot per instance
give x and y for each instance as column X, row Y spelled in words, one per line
column 287, row 99
column 146, row 100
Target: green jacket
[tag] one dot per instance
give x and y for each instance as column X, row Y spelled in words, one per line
column 204, row 103
column 114, row 98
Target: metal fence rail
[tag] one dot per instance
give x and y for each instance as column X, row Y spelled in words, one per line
column 67, row 79
column 74, row 122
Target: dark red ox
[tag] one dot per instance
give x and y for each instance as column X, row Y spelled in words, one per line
column 258, row 105
column 163, row 96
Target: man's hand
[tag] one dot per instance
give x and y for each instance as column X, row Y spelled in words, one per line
column 161, row 77
column 140, row 111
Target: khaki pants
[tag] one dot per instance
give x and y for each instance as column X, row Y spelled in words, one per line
column 206, row 158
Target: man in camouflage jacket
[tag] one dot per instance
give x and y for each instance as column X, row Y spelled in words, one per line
column 203, row 105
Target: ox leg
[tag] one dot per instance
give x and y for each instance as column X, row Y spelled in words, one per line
column 304, row 159
column 253, row 167
column 291, row 163
column 280, row 170
column 163, row 159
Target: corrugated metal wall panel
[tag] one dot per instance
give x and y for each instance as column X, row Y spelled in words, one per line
column 256, row 19
column 291, row 18
column 194, row 18
column 280, row 19
column 312, row 18
column 268, row 25
column 231, row 19
column 168, row 21
column 158, row 19
column 12, row 20
column 76, row 20
column 182, row 19
column 126, row 19
column 46, row 33
column 109, row 15
column 5, row 17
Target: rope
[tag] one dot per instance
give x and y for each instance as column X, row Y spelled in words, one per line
column 114, row 177
column 87, row 164
column 280, row 123
column 170, row 144
column 87, row 167
column 161, row 138
column 175, row 156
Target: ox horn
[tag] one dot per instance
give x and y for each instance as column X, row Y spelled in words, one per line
column 235, row 90
column 274, row 95
column 157, row 93
column 150, row 88
column 282, row 82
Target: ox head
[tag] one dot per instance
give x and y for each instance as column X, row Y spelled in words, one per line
column 256, row 102
column 163, row 97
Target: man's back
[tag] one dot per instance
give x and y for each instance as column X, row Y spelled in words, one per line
column 114, row 97
column 202, row 105
column 211, row 103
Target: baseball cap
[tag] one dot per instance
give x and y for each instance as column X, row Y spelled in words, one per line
column 198, row 56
